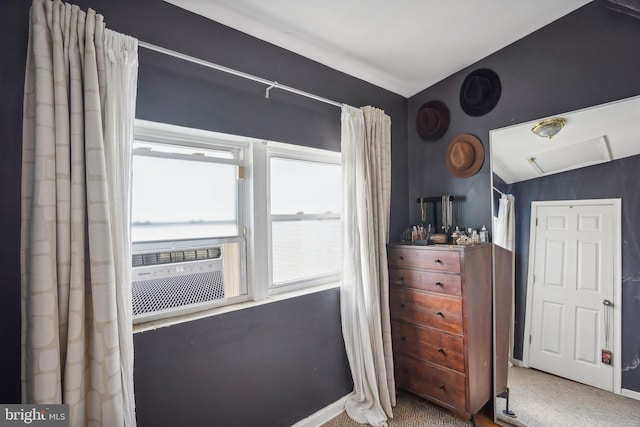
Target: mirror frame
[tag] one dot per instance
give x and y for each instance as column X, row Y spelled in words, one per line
column 617, row 380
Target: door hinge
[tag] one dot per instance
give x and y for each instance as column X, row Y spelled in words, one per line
column 529, row 339
column 241, row 173
column 244, row 231
column 536, row 222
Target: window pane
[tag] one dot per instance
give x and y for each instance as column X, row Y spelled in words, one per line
column 182, row 199
column 299, row 186
column 305, row 249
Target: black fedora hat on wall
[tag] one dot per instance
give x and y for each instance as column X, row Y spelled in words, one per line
column 432, row 120
column 480, row 92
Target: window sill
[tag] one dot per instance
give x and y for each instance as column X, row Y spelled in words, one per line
column 163, row 323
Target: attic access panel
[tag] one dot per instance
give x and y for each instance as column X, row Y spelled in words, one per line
column 571, row 156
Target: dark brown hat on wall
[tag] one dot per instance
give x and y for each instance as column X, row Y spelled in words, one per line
column 480, row 92
column 432, row 120
column 465, row 156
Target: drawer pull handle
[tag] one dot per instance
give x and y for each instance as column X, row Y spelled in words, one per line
column 441, row 350
column 400, row 258
column 403, row 338
column 440, row 284
column 402, row 305
column 439, row 314
column 401, row 278
column 438, row 261
column 441, row 387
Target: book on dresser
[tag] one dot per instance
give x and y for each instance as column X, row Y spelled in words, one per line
column 441, row 323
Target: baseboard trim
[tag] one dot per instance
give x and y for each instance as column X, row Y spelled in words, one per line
column 630, row 393
column 325, row 414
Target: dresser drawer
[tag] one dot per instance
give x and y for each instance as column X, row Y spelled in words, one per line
column 426, row 344
column 429, row 381
column 421, row 308
column 425, row 280
column 420, row 257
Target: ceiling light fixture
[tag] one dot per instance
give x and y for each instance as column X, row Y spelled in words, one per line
column 549, row 127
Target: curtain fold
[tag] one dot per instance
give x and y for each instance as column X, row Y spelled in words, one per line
column 505, row 236
column 80, row 91
column 504, row 226
column 366, row 159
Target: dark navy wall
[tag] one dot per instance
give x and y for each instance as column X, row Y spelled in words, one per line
column 12, row 65
column 587, row 58
column 270, row 365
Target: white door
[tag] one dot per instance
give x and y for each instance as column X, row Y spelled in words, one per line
column 574, row 272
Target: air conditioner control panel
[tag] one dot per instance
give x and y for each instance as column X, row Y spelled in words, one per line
column 162, row 271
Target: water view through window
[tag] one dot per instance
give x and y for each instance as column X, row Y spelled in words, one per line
column 176, row 198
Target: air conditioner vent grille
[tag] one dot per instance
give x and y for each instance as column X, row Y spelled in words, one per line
column 159, row 294
column 168, row 257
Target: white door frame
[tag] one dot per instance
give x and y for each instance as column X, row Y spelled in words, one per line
column 617, row 279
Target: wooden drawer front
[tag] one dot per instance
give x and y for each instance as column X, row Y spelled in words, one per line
column 437, row 347
column 429, row 381
column 441, row 312
column 423, row 258
column 425, row 280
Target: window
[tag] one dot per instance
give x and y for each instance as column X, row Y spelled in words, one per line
column 305, row 206
column 219, row 219
column 183, row 192
column 188, row 216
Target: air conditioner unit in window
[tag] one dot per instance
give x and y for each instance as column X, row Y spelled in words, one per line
column 173, row 282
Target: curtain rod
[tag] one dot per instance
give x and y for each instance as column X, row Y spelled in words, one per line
column 495, row 189
column 269, row 83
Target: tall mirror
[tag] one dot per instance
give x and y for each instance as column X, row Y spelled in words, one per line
column 566, row 208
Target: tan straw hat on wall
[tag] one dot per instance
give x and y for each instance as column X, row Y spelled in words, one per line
column 465, row 156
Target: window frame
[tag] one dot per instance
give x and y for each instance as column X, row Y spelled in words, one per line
column 254, row 215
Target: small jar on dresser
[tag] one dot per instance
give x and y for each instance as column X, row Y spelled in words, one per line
column 441, row 323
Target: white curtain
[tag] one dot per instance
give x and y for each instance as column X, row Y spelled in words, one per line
column 366, row 159
column 79, row 102
column 504, row 236
column 504, row 224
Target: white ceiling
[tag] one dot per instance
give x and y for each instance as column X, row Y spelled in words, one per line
column 616, row 124
column 404, row 46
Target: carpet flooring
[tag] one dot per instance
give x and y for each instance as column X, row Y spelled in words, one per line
column 542, row 400
column 538, row 400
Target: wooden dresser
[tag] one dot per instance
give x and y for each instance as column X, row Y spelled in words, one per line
column 441, row 323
